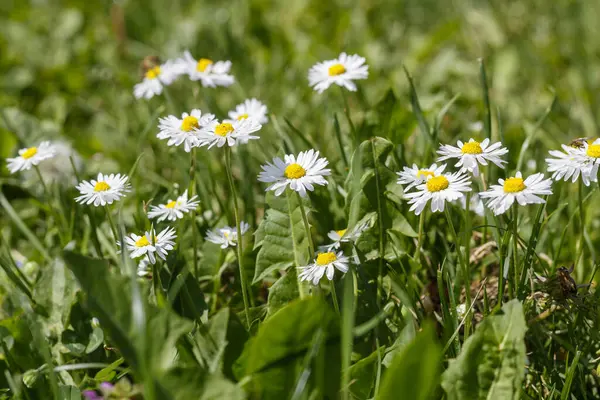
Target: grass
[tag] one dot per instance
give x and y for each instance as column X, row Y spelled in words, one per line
column 235, row 323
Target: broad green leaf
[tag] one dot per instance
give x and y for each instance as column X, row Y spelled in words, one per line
column 415, row 371
column 184, row 292
column 96, row 340
column 69, row 392
column 105, row 373
column 281, row 236
column 362, row 376
column 284, row 290
column 491, row 364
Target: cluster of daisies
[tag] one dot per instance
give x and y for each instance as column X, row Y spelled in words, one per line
column 303, row 172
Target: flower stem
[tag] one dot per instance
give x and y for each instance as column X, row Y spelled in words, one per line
column 581, row 225
column 468, row 257
column 515, row 241
column 347, row 113
column 239, row 247
column 420, row 236
column 56, row 215
column 217, row 281
column 111, row 223
column 311, row 246
column 301, row 290
column 334, row 297
column 191, row 192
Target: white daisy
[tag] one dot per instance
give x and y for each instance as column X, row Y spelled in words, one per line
column 230, row 133
column 473, row 153
column 413, row 176
column 226, row 236
column 346, row 236
column 174, row 209
column 324, row 264
column 104, row 190
column 571, row 164
column 250, row 108
column 143, row 268
column 300, row 173
column 150, row 244
column 439, row 189
column 31, row 156
column 526, row 191
column 155, row 78
column 592, row 154
column 185, row 130
column 58, row 169
column 208, row 72
column 342, row 71
column 475, row 205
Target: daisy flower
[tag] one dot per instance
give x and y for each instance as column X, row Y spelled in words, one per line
column 226, row 236
column 174, row 209
column 208, row 72
column 250, row 108
column 526, row 191
column 346, row 236
column 473, row 153
column 592, row 154
column 155, row 78
column 571, row 164
column 342, row 71
column 439, row 189
column 143, row 268
column 413, row 176
column 185, row 130
column 475, row 205
column 31, row 156
column 324, row 264
column 151, row 245
column 300, row 173
column 230, row 133
column 58, row 168
column 104, row 190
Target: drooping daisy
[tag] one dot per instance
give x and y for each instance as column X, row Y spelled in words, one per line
column 346, row 236
column 143, row 268
column 413, row 176
column 30, row 157
column 208, row 72
column 104, row 190
column 184, row 130
column 150, row 244
column 439, row 189
column 226, row 236
column 475, row 205
column 324, row 264
column 230, row 133
column 250, row 108
column 174, row 209
column 571, row 164
column 525, row 192
column 473, row 153
column 155, row 78
column 342, row 71
column 300, row 173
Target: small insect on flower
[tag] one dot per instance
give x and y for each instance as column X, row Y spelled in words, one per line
column 174, row 209
column 473, row 153
column 230, row 133
column 413, row 176
column 150, row 244
column 524, row 191
column 208, row 72
column 250, row 108
column 104, row 190
column 571, row 163
column 155, row 78
column 439, row 189
column 299, row 173
column 227, row 236
column 184, row 130
column 341, row 71
column 324, row 264
column 346, row 236
column 30, row 157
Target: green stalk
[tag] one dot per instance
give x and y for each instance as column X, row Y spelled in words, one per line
column 56, row 216
column 217, row 281
column 311, row 246
column 111, row 223
column 466, row 280
column 515, row 242
column 581, row 225
column 191, row 192
column 334, row 297
column 297, row 262
column 347, row 112
column 239, row 246
column 420, row 236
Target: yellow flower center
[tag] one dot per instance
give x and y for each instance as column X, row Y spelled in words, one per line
column 189, row 123
column 437, row 183
column 223, row 129
column 101, row 186
column 593, row 150
column 342, row 232
column 294, row 171
column 514, row 185
column 143, row 241
column 336, row 69
column 241, row 117
column 326, row 258
column 153, row 73
column 171, row 204
column 423, row 174
column 30, row 152
column 203, row 63
column 472, row 148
